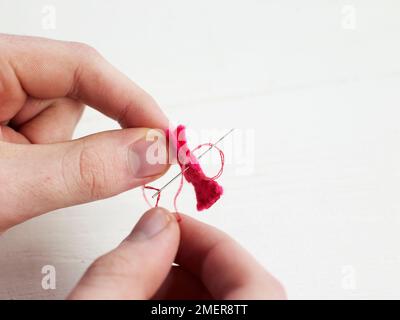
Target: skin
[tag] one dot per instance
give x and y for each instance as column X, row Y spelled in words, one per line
column 44, row 85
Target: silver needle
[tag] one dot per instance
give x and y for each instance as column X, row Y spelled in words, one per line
column 199, row 157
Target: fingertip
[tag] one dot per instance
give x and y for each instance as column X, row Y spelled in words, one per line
column 152, row 223
column 155, row 210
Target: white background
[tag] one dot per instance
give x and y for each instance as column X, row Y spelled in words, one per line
column 318, row 83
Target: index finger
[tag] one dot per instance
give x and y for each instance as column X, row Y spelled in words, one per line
column 225, row 268
column 48, row 69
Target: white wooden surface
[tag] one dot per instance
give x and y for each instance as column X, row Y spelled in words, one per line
column 322, row 95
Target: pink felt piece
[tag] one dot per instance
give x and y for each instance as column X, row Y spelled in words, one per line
column 207, row 190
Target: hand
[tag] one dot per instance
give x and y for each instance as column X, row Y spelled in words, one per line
column 44, row 85
column 210, row 265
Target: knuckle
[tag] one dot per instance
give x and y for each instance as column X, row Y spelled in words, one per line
column 84, row 49
column 92, row 174
column 88, row 58
column 84, row 173
column 10, row 90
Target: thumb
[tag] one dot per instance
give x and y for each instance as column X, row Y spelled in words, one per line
column 138, row 267
column 41, row 178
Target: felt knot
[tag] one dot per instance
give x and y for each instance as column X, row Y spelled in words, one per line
column 207, row 190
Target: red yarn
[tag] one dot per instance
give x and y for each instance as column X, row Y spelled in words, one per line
column 207, row 190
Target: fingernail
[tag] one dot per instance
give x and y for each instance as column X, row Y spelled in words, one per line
column 151, row 224
column 148, row 158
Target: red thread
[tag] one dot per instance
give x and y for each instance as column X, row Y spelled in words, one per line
column 207, row 190
column 178, row 216
column 145, row 197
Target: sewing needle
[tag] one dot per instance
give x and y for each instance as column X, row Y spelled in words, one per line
column 199, row 157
